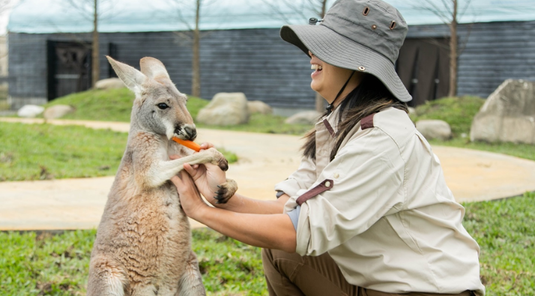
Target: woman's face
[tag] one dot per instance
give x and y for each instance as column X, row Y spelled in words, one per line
column 327, row 79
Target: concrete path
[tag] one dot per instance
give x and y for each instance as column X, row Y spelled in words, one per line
column 265, row 159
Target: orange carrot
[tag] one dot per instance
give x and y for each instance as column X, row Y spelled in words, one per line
column 190, row 144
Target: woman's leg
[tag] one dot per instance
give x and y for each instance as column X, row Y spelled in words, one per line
column 295, row 275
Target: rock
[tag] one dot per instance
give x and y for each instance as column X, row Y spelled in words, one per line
column 30, row 111
column 259, row 107
column 225, row 109
column 305, row 117
column 434, row 129
column 58, row 111
column 508, row 114
column 109, row 83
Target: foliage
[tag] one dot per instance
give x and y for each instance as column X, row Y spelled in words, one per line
column 44, row 151
column 505, row 233
column 47, row 264
column 458, row 112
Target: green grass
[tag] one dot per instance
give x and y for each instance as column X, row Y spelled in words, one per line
column 457, row 112
column 44, row 151
column 45, row 264
column 504, row 230
column 32, row 264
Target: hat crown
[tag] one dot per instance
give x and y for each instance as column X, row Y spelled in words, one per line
column 371, row 23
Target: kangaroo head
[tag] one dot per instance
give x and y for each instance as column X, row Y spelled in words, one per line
column 158, row 107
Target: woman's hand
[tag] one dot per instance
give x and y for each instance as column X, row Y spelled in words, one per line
column 190, row 199
column 207, row 176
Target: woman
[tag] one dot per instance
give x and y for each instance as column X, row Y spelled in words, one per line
column 368, row 211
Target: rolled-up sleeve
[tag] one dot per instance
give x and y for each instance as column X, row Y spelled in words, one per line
column 368, row 176
column 302, row 178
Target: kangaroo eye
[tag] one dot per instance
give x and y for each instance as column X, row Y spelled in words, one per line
column 162, row 106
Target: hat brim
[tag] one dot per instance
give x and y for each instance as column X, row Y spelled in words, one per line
column 343, row 52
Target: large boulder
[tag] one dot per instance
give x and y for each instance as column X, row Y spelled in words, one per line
column 30, row 111
column 434, row 129
column 508, row 114
column 225, row 109
column 109, row 83
column 304, row 117
column 57, row 111
column 259, row 107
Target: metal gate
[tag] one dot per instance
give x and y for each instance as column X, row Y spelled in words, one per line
column 69, row 68
column 423, row 66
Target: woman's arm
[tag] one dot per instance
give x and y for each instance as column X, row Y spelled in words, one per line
column 208, row 176
column 274, row 231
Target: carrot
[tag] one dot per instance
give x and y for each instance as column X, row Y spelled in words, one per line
column 190, row 144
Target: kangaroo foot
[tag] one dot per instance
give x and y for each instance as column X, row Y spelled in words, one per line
column 225, row 191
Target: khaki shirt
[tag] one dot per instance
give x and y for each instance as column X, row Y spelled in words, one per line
column 389, row 221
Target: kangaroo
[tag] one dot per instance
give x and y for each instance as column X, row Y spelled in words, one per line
column 143, row 243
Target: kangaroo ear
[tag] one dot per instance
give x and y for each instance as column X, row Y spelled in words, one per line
column 131, row 77
column 153, row 68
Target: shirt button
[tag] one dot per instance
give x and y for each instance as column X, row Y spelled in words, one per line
column 327, row 184
column 336, row 175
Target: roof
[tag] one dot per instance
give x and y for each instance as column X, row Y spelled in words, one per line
column 57, row 16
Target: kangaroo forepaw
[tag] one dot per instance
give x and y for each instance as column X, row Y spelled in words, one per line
column 225, row 191
column 223, row 164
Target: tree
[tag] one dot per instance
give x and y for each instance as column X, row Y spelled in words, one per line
column 91, row 10
column 283, row 8
column 448, row 12
column 192, row 34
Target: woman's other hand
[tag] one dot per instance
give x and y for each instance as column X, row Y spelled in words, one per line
column 190, row 199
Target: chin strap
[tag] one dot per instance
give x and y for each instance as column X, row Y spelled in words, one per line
column 330, row 106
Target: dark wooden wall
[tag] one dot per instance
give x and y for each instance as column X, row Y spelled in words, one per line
column 258, row 63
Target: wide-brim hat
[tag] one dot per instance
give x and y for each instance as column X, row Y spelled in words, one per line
column 361, row 35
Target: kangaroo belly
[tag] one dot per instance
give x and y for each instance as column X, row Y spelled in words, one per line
column 148, row 235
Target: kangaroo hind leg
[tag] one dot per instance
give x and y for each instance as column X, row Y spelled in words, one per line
column 106, row 279
column 191, row 282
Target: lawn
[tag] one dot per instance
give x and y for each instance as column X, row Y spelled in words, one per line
column 47, row 264
column 58, row 263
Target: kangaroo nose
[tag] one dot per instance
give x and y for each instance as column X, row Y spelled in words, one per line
column 190, row 132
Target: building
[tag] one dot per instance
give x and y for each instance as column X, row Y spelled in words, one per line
column 241, row 51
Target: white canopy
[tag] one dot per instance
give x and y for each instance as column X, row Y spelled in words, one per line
column 70, row 16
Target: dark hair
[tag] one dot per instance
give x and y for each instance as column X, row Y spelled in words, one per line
column 371, row 96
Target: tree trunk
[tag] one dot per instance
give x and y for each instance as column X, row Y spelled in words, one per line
column 95, row 62
column 320, row 101
column 453, row 52
column 196, row 67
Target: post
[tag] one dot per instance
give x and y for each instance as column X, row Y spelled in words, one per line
column 95, row 64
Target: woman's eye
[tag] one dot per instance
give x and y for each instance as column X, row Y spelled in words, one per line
column 162, row 106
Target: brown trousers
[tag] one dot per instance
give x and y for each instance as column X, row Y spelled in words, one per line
column 295, row 275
